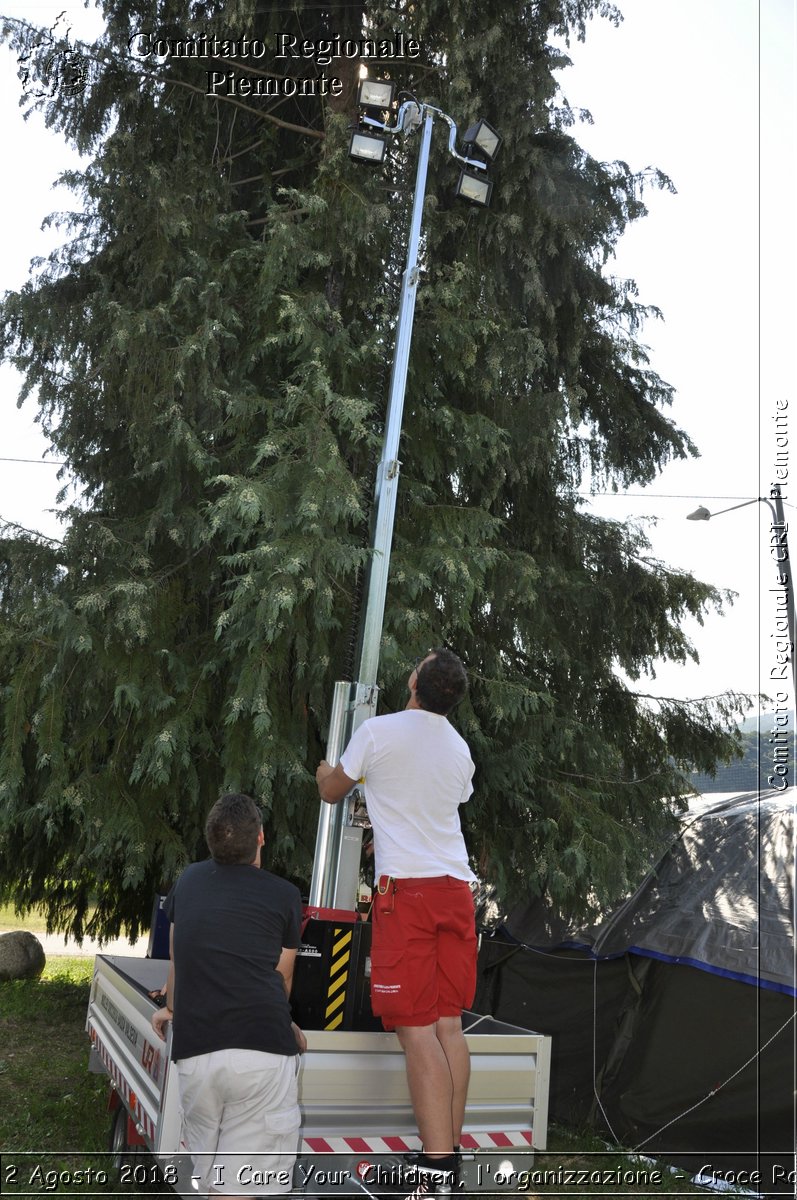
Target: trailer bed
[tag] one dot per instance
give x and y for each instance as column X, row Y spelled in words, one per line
column 356, row 1111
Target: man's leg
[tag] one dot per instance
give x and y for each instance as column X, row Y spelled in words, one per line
column 455, row 1048
column 202, row 1108
column 456, row 986
column 438, row 1073
column 259, row 1133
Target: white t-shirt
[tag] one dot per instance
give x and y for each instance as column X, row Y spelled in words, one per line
column 417, row 771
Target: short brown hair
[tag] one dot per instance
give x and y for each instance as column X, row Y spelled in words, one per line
column 441, row 682
column 232, row 828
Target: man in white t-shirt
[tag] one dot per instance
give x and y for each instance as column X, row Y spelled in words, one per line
column 416, row 771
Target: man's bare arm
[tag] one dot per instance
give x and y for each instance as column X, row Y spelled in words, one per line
column 162, row 1015
column 285, row 966
column 333, row 782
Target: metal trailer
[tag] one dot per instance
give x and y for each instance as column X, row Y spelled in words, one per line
column 357, row 1120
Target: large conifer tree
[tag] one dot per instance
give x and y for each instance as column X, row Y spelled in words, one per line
column 209, row 350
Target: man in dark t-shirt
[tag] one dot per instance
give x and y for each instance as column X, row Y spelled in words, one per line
column 234, row 937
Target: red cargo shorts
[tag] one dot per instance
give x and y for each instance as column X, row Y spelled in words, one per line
column 423, row 956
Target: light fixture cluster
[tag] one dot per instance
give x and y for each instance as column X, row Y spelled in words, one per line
column 373, row 96
column 472, row 186
column 377, row 96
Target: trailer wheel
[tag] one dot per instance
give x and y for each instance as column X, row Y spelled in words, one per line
column 135, row 1168
column 128, row 1156
column 117, row 1142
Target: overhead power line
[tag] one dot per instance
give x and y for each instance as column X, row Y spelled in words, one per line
column 43, row 462
column 661, row 496
column 57, row 462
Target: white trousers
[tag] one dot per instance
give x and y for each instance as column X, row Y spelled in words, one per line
column 241, row 1120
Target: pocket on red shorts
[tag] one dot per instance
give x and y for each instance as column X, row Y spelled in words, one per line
column 387, row 984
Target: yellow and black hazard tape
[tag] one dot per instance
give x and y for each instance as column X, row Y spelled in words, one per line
column 338, row 977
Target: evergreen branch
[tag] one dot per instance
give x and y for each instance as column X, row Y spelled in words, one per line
column 32, row 532
column 732, row 697
column 250, row 179
column 173, row 570
column 262, row 116
column 259, row 178
column 282, row 214
column 670, row 572
column 240, row 65
column 606, row 782
column 190, row 87
column 16, row 718
column 523, row 688
column 240, row 153
column 63, row 693
column 92, row 733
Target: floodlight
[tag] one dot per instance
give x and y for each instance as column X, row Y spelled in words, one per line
column 375, row 93
column 367, row 147
column 476, row 189
column 700, row 514
column 484, row 138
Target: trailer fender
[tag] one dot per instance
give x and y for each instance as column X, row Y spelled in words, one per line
column 124, row 1134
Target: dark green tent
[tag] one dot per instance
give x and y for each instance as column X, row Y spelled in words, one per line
column 674, row 1018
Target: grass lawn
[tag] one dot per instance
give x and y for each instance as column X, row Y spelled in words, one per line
column 33, row 921
column 53, row 1113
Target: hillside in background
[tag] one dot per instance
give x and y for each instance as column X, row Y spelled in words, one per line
column 763, row 753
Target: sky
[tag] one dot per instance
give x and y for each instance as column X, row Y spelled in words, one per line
column 705, row 91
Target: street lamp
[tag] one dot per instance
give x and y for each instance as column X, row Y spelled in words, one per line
column 336, row 862
column 779, row 547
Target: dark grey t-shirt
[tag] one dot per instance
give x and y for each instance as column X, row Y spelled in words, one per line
column 231, row 924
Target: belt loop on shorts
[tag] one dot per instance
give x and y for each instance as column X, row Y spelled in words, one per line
column 384, row 884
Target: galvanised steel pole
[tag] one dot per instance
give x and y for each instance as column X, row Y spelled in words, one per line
column 355, row 702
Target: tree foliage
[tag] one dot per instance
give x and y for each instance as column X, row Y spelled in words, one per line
column 209, row 352
column 763, row 762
